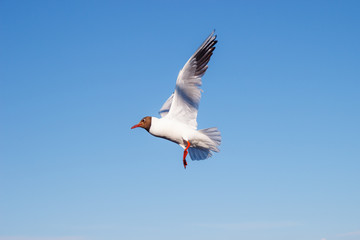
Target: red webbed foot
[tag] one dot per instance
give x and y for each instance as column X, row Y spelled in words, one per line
column 185, row 154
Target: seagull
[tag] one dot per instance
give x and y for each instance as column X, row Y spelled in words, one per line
column 178, row 114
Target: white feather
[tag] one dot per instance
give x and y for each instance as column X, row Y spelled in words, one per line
column 183, row 104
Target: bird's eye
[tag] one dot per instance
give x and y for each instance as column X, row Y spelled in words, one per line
column 144, row 120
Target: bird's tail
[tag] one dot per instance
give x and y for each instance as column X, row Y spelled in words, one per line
column 214, row 136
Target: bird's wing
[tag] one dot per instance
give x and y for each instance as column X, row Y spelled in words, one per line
column 164, row 110
column 183, row 104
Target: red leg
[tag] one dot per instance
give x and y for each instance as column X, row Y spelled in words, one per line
column 185, row 154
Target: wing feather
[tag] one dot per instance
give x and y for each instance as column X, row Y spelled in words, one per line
column 183, row 104
column 164, row 110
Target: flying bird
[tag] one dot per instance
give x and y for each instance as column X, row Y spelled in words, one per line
column 178, row 114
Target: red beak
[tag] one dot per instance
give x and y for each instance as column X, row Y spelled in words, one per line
column 135, row 126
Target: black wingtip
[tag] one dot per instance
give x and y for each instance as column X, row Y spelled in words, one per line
column 213, row 33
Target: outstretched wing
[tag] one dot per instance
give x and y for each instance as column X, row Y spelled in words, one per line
column 164, row 110
column 183, row 104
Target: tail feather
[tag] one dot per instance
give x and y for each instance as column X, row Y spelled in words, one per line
column 214, row 135
column 199, row 153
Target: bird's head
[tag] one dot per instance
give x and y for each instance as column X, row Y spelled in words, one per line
column 144, row 123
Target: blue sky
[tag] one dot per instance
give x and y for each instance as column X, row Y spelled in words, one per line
column 282, row 86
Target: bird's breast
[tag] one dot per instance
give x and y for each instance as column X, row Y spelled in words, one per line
column 169, row 129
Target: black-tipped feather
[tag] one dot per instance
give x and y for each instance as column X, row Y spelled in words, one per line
column 203, row 55
column 185, row 103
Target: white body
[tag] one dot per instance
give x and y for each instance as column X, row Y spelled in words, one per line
column 180, row 133
column 178, row 123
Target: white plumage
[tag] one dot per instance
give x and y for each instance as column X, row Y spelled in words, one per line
column 178, row 123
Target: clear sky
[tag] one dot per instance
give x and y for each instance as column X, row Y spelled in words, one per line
column 283, row 86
